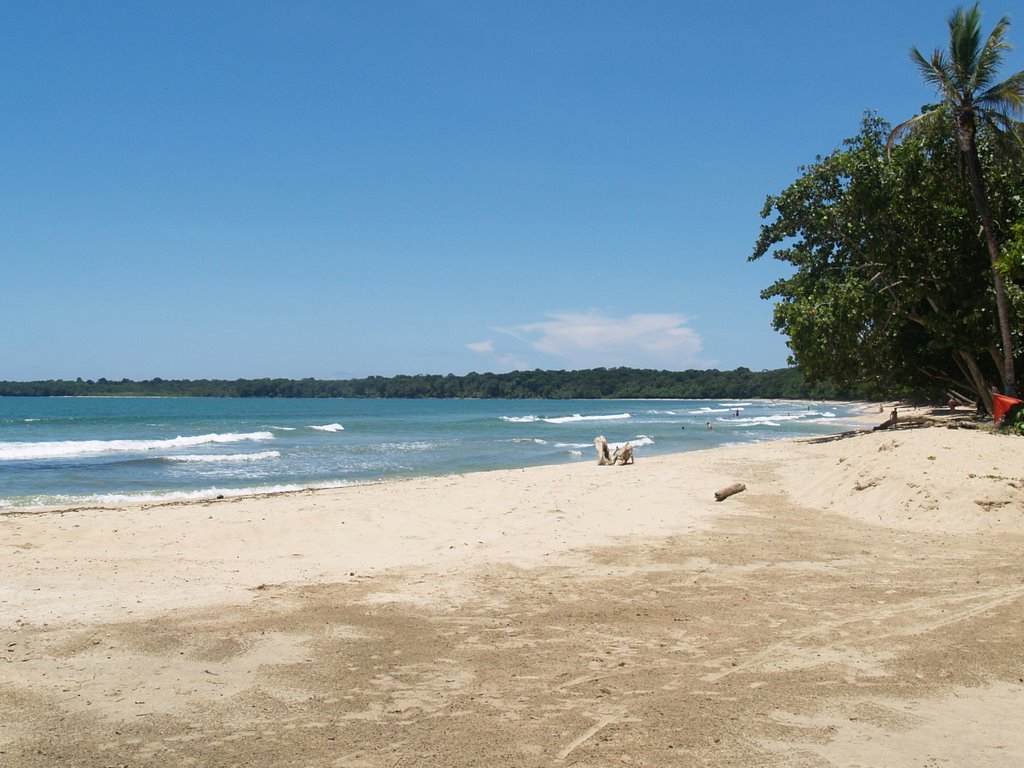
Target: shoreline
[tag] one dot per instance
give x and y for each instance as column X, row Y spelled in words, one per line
column 859, row 594
column 153, row 500
column 147, row 499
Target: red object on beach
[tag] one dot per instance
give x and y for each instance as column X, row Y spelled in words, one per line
column 1001, row 404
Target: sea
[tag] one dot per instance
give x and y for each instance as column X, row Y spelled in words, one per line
column 106, row 450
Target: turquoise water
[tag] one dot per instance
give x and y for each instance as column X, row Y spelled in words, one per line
column 61, row 451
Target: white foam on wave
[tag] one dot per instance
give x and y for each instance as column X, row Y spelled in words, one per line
column 734, row 405
column 535, row 440
column 409, row 446
column 67, row 448
column 806, row 417
column 833, row 421
column 636, row 442
column 216, row 458
column 520, row 419
column 335, row 427
column 705, row 409
column 577, row 417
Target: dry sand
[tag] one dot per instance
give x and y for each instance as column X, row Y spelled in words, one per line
column 861, row 604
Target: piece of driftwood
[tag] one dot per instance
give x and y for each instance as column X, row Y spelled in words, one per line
column 729, row 490
column 606, row 457
column 624, row 455
column 908, row 422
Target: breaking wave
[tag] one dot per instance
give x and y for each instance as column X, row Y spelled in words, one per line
column 66, row 448
column 217, row 458
column 577, row 417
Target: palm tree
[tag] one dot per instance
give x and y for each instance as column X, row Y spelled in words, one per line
column 965, row 78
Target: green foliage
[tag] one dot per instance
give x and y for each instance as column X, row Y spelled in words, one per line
column 597, row 383
column 1011, row 264
column 892, row 285
column 1014, row 424
column 973, row 104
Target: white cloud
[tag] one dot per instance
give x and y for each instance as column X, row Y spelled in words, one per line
column 504, row 361
column 592, row 339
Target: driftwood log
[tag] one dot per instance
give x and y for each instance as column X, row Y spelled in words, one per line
column 607, row 457
column 729, row 490
column 907, row 422
column 625, row 455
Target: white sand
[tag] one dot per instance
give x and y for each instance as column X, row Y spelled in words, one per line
column 860, row 592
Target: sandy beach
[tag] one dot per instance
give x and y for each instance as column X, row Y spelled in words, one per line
column 860, row 604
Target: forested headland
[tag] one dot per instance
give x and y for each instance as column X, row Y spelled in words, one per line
column 595, row 383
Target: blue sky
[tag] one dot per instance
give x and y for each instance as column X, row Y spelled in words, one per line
column 340, row 189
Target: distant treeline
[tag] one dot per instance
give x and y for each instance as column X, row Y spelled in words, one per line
column 595, row 383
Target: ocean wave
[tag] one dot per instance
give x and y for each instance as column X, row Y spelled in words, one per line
column 412, row 445
column 67, row 448
column 216, row 458
column 762, row 421
column 806, row 417
column 520, row 419
column 705, row 409
column 335, row 427
column 641, row 440
column 577, row 417
column 735, row 405
column 535, row 440
column 833, row 421
column 636, row 442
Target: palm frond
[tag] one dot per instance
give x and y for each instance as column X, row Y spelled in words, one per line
column 965, row 43
column 1009, row 133
column 909, row 125
column 935, row 71
column 1002, row 122
column 991, row 56
column 1007, row 96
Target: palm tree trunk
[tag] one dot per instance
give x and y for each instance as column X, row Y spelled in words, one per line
column 965, row 135
column 970, row 366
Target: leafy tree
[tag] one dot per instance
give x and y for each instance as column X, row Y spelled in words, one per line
column 594, row 383
column 966, row 78
column 892, row 287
